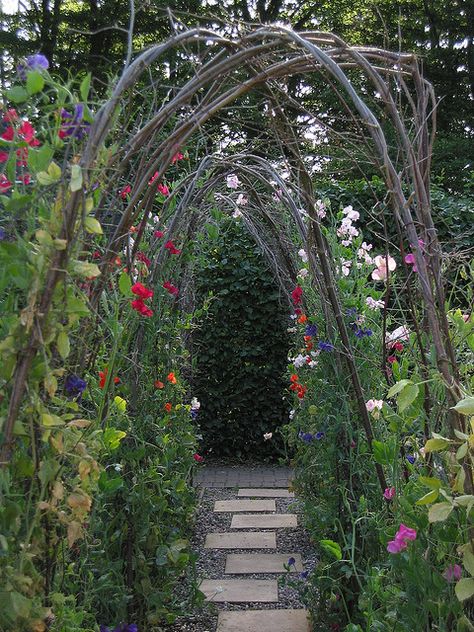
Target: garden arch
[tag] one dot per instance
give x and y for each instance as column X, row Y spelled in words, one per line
column 267, row 55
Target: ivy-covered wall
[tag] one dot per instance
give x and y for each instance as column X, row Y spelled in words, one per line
column 241, row 349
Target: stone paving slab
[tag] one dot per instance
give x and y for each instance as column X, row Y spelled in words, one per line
column 237, row 564
column 244, row 505
column 264, row 521
column 263, row 621
column 258, row 476
column 249, row 540
column 240, row 590
column 265, row 493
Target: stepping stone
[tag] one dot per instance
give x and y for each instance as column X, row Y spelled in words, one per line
column 263, row 621
column 264, row 521
column 266, row 493
column 238, row 564
column 244, row 505
column 249, row 540
column 240, row 590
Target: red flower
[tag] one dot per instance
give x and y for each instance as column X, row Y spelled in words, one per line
column 171, row 378
column 302, row 319
column 141, row 291
column 96, row 254
column 5, row 183
column 171, row 288
column 10, row 116
column 3, row 156
column 8, row 134
column 397, row 346
column 172, row 248
column 198, row 458
column 168, row 407
column 301, row 391
column 143, row 258
column 133, row 229
column 116, row 380
column 27, row 133
column 102, row 378
column 294, row 378
column 139, row 306
column 125, row 191
column 391, row 359
column 159, row 384
column 297, row 295
column 158, row 234
column 163, row 189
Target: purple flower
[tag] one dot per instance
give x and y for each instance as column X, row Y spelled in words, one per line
column 453, row 572
column 74, row 385
column 291, row 561
column 304, row 575
column 307, row 437
column 3, row 235
column 37, row 62
column 319, row 436
column 73, row 124
column 410, row 458
column 325, row 346
column 311, row 330
column 361, row 333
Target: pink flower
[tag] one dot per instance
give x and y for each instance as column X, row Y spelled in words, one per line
column 153, row 177
column 389, row 493
column 400, row 543
column 198, row 458
column 453, row 572
column 374, row 404
column 5, row 183
column 384, row 266
column 178, row 156
column 3, row 156
column 163, row 189
column 410, row 260
column 158, row 234
column 233, row 181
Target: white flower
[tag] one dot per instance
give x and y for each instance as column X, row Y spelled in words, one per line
column 292, row 414
column 241, row 199
column 373, row 304
column 299, row 361
column 237, row 213
column 233, row 181
column 303, row 273
column 292, row 330
column 345, row 267
column 350, row 213
column 303, row 254
column 312, row 364
column 320, row 209
column 118, row 467
column 277, row 194
column 195, row 404
column 400, row 334
column 374, row 404
column 267, row 436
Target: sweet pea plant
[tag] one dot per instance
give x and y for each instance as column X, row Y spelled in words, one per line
column 400, row 557
column 94, row 484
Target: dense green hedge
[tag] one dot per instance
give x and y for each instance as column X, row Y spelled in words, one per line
column 241, row 348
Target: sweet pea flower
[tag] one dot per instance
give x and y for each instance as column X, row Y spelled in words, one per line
column 163, row 189
column 410, row 260
column 267, row 436
column 350, row 214
column 237, row 213
column 384, row 266
column 389, row 493
column 241, row 200
column 303, row 254
column 320, row 209
column 303, row 273
column 198, row 458
column 232, row 181
column 373, row 303
column 374, row 404
column 400, row 334
column 400, row 543
column 452, row 573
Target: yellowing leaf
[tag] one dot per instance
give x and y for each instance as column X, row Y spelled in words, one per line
column 50, row 384
column 54, row 170
column 79, row 501
column 461, row 452
column 433, row 483
column 436, row 445
column 439, row 512
column 468, row 561
column 76, row 178
column 86, row 269
column 92, row 225
column 74, row 532
column 120, row 403
column 63, row 344
column 84, row 469
column 48, row 420
column 79, row 423
column 60, row 244
column 464, row 589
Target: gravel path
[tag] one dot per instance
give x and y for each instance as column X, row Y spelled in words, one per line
column 211, row 562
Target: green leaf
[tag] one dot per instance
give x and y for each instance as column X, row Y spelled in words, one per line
column 433, row 483
column 468, row 561
column 428, row 498
column 440, row 512
column 113, row 437
column 399, row 386
column 461, row 452
column 120, row 404
column 124, row 284
column 85, row 87
column 39, row 159
column 50, row 421
column 407, row 396
column 384, row 453
column 465, row 406
column 34, row 82
column 63, row 344
column 17, row 94
column 92, row 225
column 331, row 547
column 464, row 589
column 76, row 178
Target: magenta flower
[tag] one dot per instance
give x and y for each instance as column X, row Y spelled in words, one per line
column 389, row 493
column 452, row 573
column 400, row 543
column 410, row 260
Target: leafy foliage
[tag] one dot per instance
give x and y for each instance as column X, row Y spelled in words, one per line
column 241, row 347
